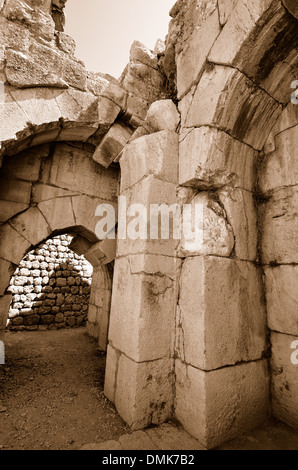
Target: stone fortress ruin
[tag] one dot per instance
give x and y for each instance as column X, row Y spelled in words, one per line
column 205, row 337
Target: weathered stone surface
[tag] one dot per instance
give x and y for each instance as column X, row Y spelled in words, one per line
column 214, row 104
column 10, row 209
column 192, row 59
column 155, row 154
column 279, row 225
column 58, row 213
column 216, row 406
column 282, row 298
column 12, row 245
column 213, row 233
column 216, row 326
column 225, row 8
column 241, row 212
column 163, row 115
column 84, row 175
column 209, row 158
column 32, row 226
column 280, row 168
column 4, row 306
column 153, row 311
column 101, row 253
column 284, row 378
column 112, row 144
column 138, row 239
column 144, row 392
column 15, row 191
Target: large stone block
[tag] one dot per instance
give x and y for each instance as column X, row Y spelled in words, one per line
column 73, row 167
column 15, row 191
column 221, row 318
column 58, row 213
column 32, row 225
column 163, row 115
column 217, row 406
column 10, row 209
column 279, row 227
column 214, row 104
column 145, row 332
column 112, row 144
column 210, row 158
column 211, row 233
column 284, row 368
column 144, row 392
column 282, row 298
column 192, row 59
column 135, row 236
column 280, row 168
column 155, row 154
column 13, row 246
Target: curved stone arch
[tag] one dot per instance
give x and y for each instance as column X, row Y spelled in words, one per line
column 35, row 116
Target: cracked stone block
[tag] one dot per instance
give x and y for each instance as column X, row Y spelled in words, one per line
column 140, row 53
column 279, row 227
column 282, row 298
column 280, row 167
column 241, row 214
column 144, row 393
column 112, row 144
column 58, row 213
column 38, row 104
column 14, row 119
column 218, row 406
column 163, row 115
column 13, row 246
column 214, row 104
column 210, row 234
column 210, row 159
column 145, row 332
column 226, row 8
column 135, row 235
column 10, row 209
column 246, row 45
column 32, row 225
column 284, row 378
column 192, row 59
column 221, row 318
column 43, row 192
column 155, row 154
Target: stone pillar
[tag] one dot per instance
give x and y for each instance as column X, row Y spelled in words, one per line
column 279, row 228
column 139, row 373
column 100, row 305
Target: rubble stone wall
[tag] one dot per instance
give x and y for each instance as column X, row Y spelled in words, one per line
column 50, row 289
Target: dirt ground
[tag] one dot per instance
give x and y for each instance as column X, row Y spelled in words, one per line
column 51, row 392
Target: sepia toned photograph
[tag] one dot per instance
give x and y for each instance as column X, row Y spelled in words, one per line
column 149, row 228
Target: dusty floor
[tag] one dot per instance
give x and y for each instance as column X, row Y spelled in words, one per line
column 51, row 397
column 51, row 394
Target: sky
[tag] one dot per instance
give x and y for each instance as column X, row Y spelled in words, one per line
column 104, row 30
